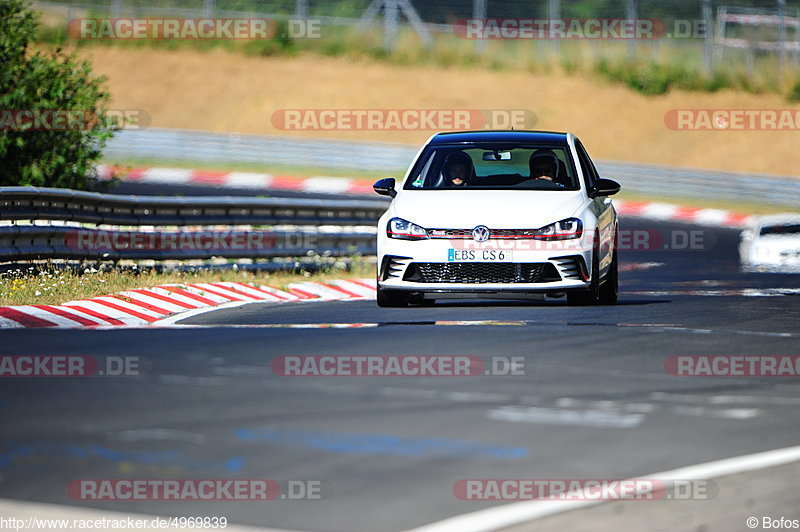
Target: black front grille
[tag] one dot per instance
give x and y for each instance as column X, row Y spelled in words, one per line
column 481, row 272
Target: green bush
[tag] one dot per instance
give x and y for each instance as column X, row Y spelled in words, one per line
column 716, row 82
column 658, row 78
column 570, row 67
column 650, row 79
column 333, row 48
column 46, row 82
column 267, row 48
column 794, row 93
column 53, row 35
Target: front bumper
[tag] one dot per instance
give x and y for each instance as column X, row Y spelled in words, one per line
column 430, row 266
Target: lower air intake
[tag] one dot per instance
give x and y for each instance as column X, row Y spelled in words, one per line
column 481, row 272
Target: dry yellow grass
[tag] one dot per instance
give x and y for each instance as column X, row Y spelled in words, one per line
column 223, row 91
column 52, row 286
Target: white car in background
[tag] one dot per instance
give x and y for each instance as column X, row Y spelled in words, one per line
column 498, row 214
column 772, row 243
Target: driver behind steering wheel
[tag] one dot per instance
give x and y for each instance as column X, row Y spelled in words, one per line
column 457, row 169
column 544, row 165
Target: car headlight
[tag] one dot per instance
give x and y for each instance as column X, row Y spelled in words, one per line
column 405, row 230
column 563, row 230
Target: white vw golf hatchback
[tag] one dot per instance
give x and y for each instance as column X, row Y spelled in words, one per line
column 498, row 214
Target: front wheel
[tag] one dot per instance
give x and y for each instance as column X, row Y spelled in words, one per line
column 609, row 289
column 590, row 296
column 391, row 298
column 599, row 292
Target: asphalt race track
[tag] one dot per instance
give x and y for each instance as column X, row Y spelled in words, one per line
column 595, row 400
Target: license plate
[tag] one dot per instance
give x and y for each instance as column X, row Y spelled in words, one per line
column 479, row 255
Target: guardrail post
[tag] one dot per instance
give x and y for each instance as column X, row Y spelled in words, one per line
column 631, row 14
column 479, row 13
column 553, row 13
column 719, row 34
column 781, row 38
column 390, row 15
column 301, row 9
column 707, row 37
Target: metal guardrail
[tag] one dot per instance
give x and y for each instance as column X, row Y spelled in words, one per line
column 655, row 180
column 646, row 179
column 32, row 242
column 201, row 146
column 32, row 203
column 70, row 211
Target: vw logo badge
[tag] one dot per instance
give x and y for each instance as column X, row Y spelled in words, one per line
column 480, row 233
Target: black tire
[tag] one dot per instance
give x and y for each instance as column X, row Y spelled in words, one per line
column 391, row 298
column 609, row 288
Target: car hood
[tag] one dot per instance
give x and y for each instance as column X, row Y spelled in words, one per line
column 500, row 209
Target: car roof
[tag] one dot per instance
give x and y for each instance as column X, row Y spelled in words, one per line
column 455, row 137
column 777, row 219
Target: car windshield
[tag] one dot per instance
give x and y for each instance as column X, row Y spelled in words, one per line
column 494, row 167
column 781, row 229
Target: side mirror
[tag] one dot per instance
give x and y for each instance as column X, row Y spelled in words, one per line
column 747, row 234
column 385, row 187
column 604, row 187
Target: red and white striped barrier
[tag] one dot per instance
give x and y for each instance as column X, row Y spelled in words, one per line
column 677, row 213
column 145, row 306
column 251, row 180
column 343, row 185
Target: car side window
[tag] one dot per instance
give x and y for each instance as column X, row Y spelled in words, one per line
column 589, row 171
column 418, row 180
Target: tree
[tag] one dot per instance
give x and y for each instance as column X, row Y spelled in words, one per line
column 53, row 121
